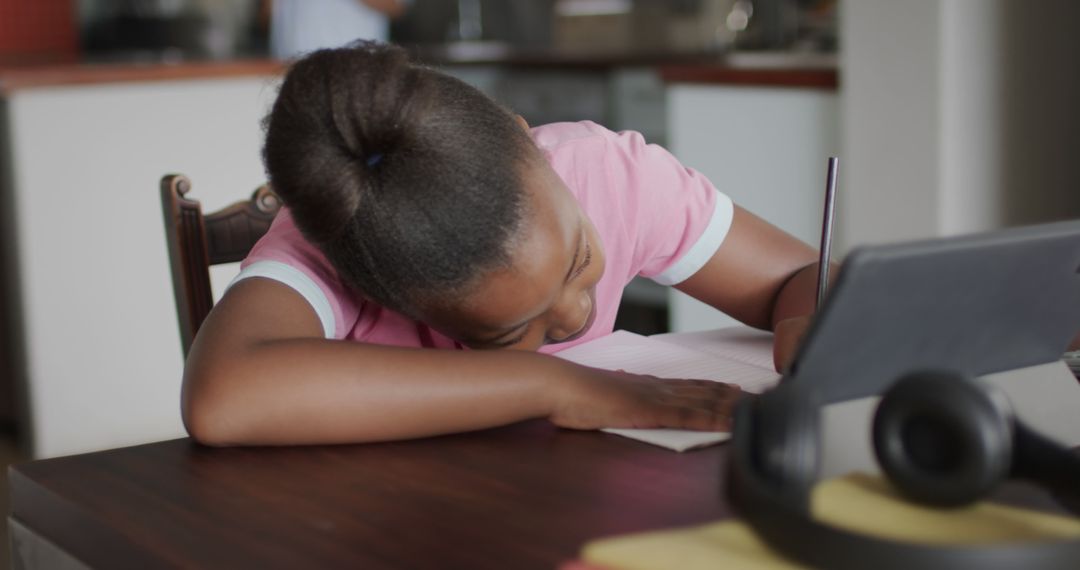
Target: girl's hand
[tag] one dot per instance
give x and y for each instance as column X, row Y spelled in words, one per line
column 595, row 398
column 787, row 337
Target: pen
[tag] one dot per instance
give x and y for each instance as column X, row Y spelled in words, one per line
column 826, row 232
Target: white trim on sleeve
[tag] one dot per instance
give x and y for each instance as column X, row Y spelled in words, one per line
column 299, row 282
column 699, row 254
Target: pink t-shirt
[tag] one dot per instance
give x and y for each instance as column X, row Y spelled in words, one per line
column 654, row 217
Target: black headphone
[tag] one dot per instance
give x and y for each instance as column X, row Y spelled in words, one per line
column 941, row 438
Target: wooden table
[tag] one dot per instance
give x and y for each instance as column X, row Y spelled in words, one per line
column 524, row 496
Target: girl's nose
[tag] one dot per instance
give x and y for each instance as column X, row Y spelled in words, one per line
column 571, row 316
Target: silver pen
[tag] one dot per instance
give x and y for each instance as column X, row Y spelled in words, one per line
column 826, row 232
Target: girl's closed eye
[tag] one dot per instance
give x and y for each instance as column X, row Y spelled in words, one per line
column 584, row 263
column 511, row 341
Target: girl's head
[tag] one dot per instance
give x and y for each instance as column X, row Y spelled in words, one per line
column 426, row 196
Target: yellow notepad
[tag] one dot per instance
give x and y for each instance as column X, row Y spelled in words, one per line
column 858, row 502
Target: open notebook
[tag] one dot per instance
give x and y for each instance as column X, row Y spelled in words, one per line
column 737, row 355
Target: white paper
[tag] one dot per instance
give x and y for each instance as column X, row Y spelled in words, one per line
column 631, row 352
column 744, row 344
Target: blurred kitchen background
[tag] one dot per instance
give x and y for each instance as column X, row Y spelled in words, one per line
column 949, row 116
column 155, row 30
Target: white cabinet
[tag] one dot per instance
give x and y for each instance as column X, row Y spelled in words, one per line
column 767, row 148
column 98, row 320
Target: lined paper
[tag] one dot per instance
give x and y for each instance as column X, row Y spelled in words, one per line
column 634, row 353
column 743, row 344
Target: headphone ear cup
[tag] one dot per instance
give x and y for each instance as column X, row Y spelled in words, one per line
column 787, row 445
column 943, row 438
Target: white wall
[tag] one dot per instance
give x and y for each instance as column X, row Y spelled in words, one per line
column 972, row 109
column 103, row 351
column 957, row 116
column 1041, row 96
column 890, row 83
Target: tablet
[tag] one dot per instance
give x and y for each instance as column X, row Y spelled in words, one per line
column 976, row 304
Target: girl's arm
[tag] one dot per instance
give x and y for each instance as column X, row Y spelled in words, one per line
column 762, row 276
column 260, row 373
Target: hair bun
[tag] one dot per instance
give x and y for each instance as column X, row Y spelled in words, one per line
column 352, row 103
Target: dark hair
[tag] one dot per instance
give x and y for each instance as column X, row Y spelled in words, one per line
column 408, row 180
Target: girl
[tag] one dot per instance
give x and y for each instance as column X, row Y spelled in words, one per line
column 420, row 215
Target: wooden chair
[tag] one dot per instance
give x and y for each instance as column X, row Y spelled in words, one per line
column 196, row 242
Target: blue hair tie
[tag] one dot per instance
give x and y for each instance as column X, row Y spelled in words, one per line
column 374, row 159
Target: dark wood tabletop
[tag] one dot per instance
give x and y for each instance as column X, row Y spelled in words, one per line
column 525, row 496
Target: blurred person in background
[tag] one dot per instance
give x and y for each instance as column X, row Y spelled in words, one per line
column 301, row 26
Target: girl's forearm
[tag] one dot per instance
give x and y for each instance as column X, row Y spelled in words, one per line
column 798, row 296
column 304, row 391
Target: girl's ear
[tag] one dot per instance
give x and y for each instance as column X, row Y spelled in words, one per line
column 521, row 121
